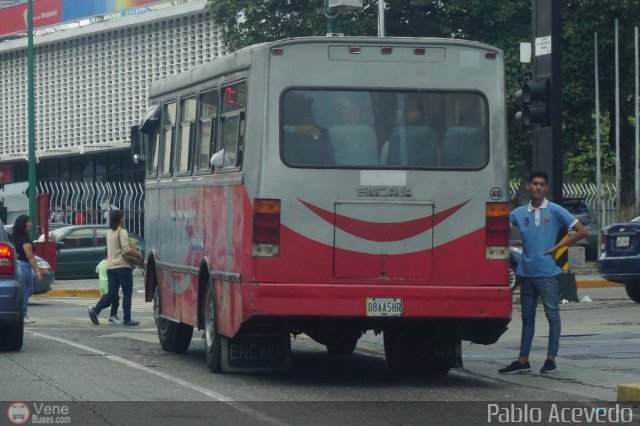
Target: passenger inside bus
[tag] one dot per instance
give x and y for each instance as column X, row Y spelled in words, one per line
column 353, row 139
column 410, row 142
column 304, row 142
column 463, row 144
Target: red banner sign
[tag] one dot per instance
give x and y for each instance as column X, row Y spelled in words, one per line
column 5, row 173
column 13, row 19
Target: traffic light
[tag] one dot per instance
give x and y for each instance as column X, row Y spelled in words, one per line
column 534, row 100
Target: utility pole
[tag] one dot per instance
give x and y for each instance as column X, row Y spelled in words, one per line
column 547, row 140
column 31, row 112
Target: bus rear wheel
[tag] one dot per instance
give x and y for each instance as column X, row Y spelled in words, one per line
column 174, row 337
column 212, row 339
column 342, row 345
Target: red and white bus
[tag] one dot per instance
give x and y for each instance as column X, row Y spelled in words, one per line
column 358, row 184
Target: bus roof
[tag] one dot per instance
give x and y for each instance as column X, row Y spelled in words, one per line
column 241, row 59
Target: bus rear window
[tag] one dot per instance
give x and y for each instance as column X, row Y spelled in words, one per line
column 384, row 129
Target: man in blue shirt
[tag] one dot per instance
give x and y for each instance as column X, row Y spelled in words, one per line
column 539, row 223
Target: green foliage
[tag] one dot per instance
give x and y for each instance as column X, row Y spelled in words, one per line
column 501, row 23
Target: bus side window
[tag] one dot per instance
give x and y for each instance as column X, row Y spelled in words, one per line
column 207, row 138
column 233, row 123
column 153, row 150
column 186, row 136
column 169, row 127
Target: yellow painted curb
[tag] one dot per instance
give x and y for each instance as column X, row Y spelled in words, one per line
column 629, row 393
column 70, row 293
column 597, row 284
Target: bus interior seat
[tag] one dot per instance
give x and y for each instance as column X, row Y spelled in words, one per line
column 301, row 148
column 354, row 145
column 412, row 146
column 464, row 147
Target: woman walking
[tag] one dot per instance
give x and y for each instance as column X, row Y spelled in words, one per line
column 28, row 267
column 119, row 271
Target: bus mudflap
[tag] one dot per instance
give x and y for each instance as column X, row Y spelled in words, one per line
column 257, row 347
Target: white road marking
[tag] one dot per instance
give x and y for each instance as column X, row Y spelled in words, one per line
column 211, row 394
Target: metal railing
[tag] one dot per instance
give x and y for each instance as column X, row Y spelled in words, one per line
column 79, row 202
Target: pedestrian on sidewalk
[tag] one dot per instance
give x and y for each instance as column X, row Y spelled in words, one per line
column 27, row 264
column 119, row 271
column 101, row 270
column 539, row 223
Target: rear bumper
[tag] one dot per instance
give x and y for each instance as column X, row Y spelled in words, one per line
column 620, row 269
column 327, row 300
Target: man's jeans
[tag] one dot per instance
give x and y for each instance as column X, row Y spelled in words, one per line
column 547, row 289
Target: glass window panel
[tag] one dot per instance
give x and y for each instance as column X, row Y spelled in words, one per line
column 234, row 97
column 206, row 143
column 166, row 162
column 189, row 109
column 384, row 129
column 231, row 134
column 81, row 238
column 209, row 104
column 183, row 153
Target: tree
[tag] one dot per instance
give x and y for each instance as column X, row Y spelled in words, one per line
column 503, row 24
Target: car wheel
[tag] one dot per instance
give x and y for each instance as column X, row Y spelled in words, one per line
column 174, row 337
column 633, row 291
column 12, row 337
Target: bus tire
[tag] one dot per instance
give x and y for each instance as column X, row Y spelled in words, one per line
column 174, row 337
column 342, row 345
column 212, row 339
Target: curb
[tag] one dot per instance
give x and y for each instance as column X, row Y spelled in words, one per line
column 629, row 393
column 70, row 293
column 597, row 284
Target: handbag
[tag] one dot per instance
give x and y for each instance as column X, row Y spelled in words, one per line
column 131, row 259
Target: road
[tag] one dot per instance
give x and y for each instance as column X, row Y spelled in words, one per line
column 67, row 359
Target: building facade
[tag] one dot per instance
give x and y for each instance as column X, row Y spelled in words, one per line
column 91, row 87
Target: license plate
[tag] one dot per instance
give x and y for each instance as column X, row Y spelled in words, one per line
column 622, row 241
column 384, row 307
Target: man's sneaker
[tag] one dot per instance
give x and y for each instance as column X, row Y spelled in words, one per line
column 131, row 323
column 515, row 368
column 115, row 321
column 548, row 367
column 93, row 316
column 28, row 320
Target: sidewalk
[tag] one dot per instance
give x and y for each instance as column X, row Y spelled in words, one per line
column 87, row 288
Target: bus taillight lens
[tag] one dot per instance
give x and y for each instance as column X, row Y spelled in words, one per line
column 266, row 228
column 497, row 230
column 7, row 265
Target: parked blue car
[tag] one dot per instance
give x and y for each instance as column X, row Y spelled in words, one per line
column 11, row 321
column 620, row 258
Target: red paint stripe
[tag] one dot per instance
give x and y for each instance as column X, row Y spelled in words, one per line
column 380, row 231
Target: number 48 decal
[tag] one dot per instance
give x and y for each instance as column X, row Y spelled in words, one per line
column 495, row 193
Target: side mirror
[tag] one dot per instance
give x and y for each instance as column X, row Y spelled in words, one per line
column 217, row 159
column 59, row 246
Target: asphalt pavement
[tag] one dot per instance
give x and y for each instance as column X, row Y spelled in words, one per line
column 598, row 359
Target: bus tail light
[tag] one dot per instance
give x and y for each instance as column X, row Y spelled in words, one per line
column 497, row 230
column 266, row 228
column 7, row 260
